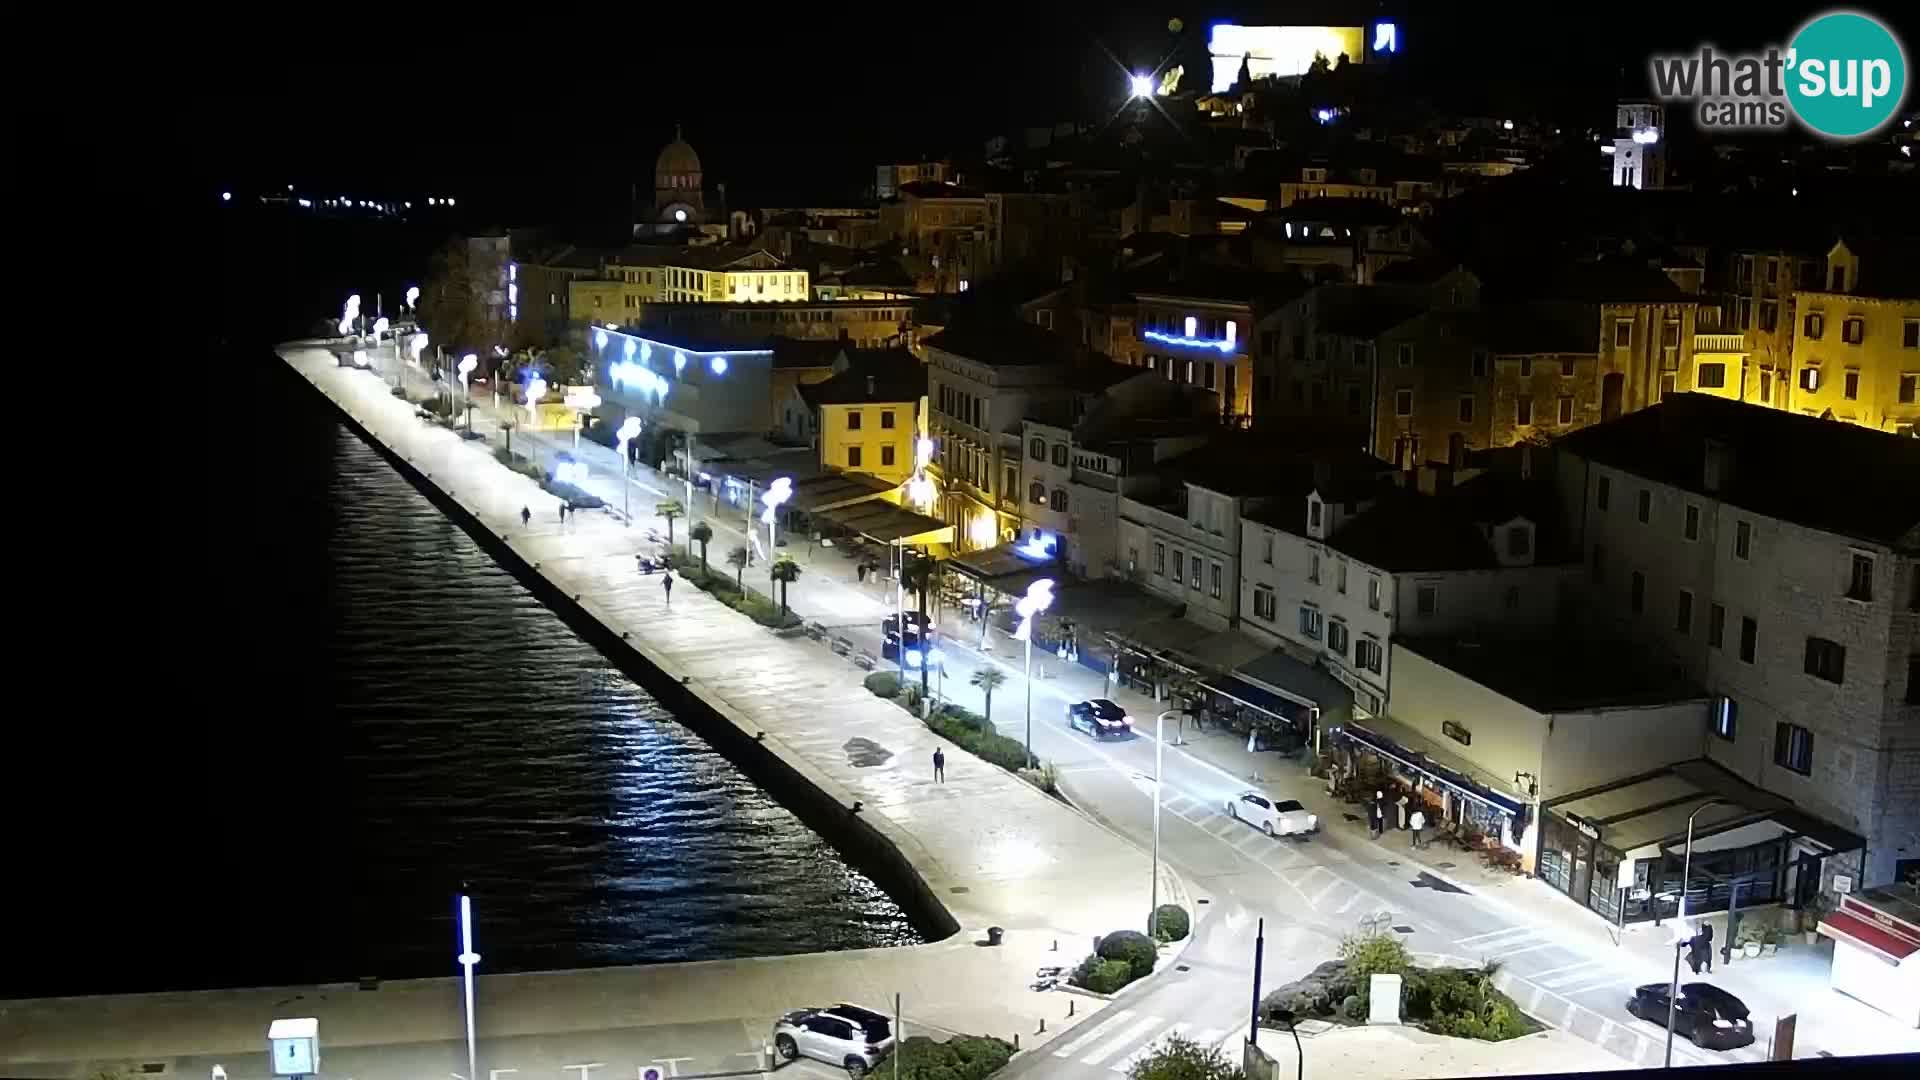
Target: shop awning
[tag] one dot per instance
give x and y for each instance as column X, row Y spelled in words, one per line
column 1644, row 814
column 1003, row 568
column 1854, row 930
column 1424, row 763
column 1254, row 697
column 829, row 491
column 885, row 523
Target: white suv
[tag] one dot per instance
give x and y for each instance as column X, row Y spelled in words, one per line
column 844, row 1035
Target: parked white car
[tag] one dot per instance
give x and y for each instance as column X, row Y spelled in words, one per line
column 845, row 1035
column 1275, row 817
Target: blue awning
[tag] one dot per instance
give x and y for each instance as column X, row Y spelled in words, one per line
column 1264, row 700
column 1427, row 767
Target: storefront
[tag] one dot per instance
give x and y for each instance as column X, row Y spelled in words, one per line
column 1621, row 849
column 1456, row 799
column 1160, row 674
column 1876, row 949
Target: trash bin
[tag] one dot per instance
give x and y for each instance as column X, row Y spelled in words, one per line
column 993, row 935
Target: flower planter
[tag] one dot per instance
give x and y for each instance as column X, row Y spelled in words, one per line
column 1768, row 949
column 1752, row 950
column 1813, row 937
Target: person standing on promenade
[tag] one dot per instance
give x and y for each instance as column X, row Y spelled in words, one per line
column 666, row 582
column 939, row 765
column 526, row 517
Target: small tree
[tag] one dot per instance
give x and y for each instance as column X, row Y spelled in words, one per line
column 668, row 510
column 702, row 534
column 988, row 679
column 785, row 572
column 1177, row 1058
column 918, row 574
column 737, row 558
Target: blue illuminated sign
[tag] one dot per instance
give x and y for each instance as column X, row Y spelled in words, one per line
column 1386, row 37
column 1225, row 345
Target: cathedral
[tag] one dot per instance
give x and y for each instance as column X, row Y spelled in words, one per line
column 678, row 202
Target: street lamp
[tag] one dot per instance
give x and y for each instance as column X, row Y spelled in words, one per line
column 1680, row 934
column 920, row 488
column 349, row 314
column 777, row 492
column 1159, row 745
column 629, row 431
column 1039, row 598
column 1299, row 1055
column 468, row 958
column 1141, row 86
column 413, row 296
column 536, row 389
column 467, row 364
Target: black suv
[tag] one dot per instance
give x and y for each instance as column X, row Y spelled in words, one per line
column 1099, row 718
column 1712, row 1018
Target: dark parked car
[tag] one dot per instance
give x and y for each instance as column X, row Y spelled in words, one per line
column 1099, row 718
column 1712, row 1018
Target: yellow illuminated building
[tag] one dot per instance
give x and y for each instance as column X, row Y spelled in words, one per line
column 687, row 275
column 1856, row 346
column 872, row 415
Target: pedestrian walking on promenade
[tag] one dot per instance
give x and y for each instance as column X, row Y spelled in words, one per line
column 563, row 513
column 526, row 517
column 1373, row 820
column 666, row 582
column 861, row 572
column 1417, row 822
column 939, row 765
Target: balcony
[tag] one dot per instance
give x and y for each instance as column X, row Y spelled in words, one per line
column 1720, row 343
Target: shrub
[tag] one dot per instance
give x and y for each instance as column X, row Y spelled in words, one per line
column 963, row 1057
column 1108, row 976
column 884, row 684
column 1177, row 1058
column 1170, row 922
column 966, row 732
column 1135, row 948
column 1044, row 777
column 1462, row 1002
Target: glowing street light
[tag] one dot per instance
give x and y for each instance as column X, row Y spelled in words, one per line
column 467, row 364
column 777, row 492
column 629, row 431
column 1038, row 599
column 226, row 196
column 920, row 489
column 468, row 958
column 1141, row 86
column 536, row 389
column 350, row 314
column 418, row 345
column 413, row 293
column 1681, row 931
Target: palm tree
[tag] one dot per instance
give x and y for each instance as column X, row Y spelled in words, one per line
column 669, row 510
column 987, row 679
column 701, row 534
column 918, row 575
column 737, row 558
column 785, row 572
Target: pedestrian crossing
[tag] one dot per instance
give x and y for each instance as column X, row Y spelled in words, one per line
column 1121, row 1040
column 1301, row 868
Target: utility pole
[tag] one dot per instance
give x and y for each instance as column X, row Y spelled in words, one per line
column 1259, row 950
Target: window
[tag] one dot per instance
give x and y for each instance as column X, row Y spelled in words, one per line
column 1683, row 614
column 1599, row 563
column 1313, row 567
column 1403, row 355
column 1159, row 558
column 1213, row 576
column 1037, row 449
column 1749, row 639
column 1637, row 596
column 1133, row 559
column 853, row 419
column 1526, row 367
column 1373, row 593
column 1267, row 549
column 1313, row 514
column 1813, row 326
column 1523, row 409
column 1716, row 626
column 1340, row 576
column 1725, row 718
column 886, row 419
column 1337, row 638
column 1670, row 334
column 1426, row 599
column 1622, row 333
column 1482, row 363
column 1769, row 315
column 1566, row 408
column 853, row 457
column 1766, row 387
column 1037, row 491
column 1366, row 654
column 1603, row 492
column 1060, row 454
column 1310, row 622
column 1566, row 367
column 1793, row 744
column 886, row 455
column 1668, row 383
column 1692, row 528
column 1263, row 602
column 1013, row 482
column 1058, row 499
column 1826, row 660
column 1909, row 383
column 1850, row 383
column 1645, row 509
column 1910, row 334
column 1712, row 376
column 1179, row 567
column 1519, row 541
column 1853, row 330
column 1809, row 379
column 1193, row 565
column 1466, row 410
column 1742, row 540
column 1860, row 578
column 1403, row 403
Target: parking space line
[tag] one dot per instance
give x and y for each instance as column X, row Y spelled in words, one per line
column 1516, row 931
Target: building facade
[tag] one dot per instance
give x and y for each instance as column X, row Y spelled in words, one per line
column 1855, row 349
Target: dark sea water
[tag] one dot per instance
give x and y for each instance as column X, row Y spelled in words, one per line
column 318, row 707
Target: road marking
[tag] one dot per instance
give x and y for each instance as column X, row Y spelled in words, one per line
column 1209, row 1036
column 1322, row 894
column 1514, row 931
column 1508, row 951
column 1174, row 803
column 1545, row 978
column 1348, row 906
column 1589, row 982
column 1099, row 1029
column 1148, row 1047
column 1114, row 1045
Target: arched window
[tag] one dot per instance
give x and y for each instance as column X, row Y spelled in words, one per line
column 1060, row 500
column 1038, row 492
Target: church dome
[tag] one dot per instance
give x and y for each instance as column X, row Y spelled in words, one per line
column 678, row 159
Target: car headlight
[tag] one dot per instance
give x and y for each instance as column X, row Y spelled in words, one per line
column 1313, row 821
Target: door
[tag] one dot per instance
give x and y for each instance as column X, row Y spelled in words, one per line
column 1612, row 391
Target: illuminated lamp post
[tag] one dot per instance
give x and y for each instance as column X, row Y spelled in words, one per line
column 536, row 389
column 1038, row 599
column 467, row 364
column 413, row 299
column 1140, row 86
column 778, row 492
column 349, row 314
column 468, row 958
column 629, row 431
column 1680, row 934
